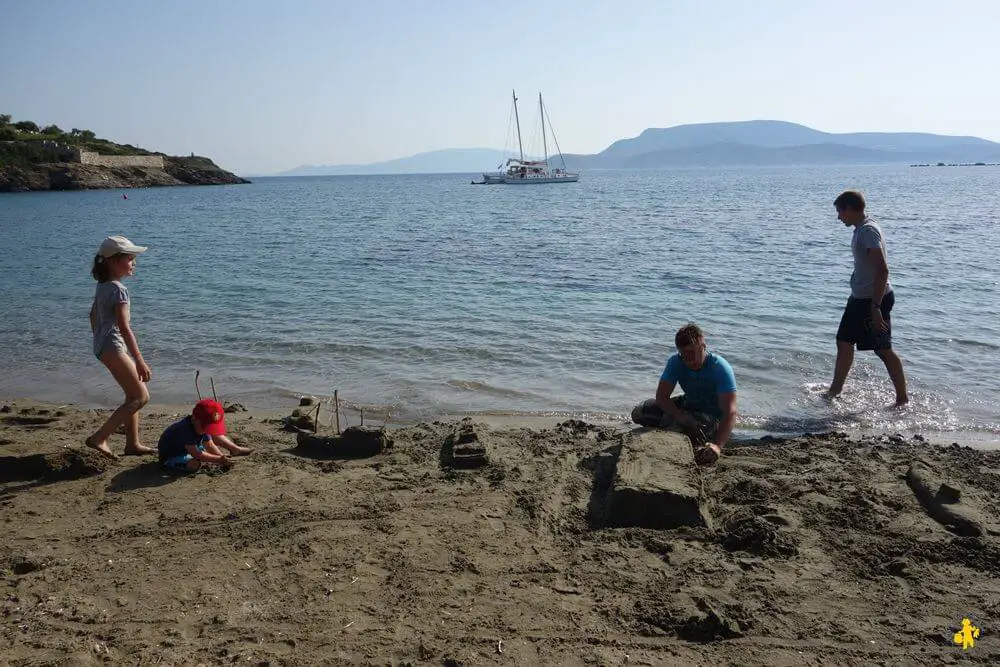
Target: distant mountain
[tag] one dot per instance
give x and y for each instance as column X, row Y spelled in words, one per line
column 455, row 160
column 779, row 142
column 755, row 142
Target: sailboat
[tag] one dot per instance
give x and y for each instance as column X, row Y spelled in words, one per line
column 519, row 171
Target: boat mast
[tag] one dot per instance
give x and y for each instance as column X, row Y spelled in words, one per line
column 541, row 112
column 518, row 121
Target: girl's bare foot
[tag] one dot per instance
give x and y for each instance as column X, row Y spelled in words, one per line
column 236, row 450
column 101, row 447
column 138, row 450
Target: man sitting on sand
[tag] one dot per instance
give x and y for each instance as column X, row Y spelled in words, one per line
column 706, row 411
column 194, row 441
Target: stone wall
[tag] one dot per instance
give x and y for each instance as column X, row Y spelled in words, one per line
column 149, row 161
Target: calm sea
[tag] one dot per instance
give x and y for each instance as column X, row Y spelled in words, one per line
column 434, row 297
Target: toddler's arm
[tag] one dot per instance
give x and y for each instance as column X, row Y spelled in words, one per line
column 205, row 456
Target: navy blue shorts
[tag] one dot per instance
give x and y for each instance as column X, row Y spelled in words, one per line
column 856, row 324
column 648, row 413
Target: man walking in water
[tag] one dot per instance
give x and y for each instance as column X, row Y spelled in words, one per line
column 865, row 322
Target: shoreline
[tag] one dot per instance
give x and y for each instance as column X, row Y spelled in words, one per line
column 351, row 415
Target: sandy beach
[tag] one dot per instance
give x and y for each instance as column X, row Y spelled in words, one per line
column 464, row 543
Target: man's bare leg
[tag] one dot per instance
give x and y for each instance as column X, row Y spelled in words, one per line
column 845, row 359
column 894, row 365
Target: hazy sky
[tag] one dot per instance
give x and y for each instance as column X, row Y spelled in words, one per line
column 266, row 86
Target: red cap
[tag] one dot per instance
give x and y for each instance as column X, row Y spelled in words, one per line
column 210, row 415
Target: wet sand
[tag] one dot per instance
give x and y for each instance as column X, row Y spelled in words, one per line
column 826, row 549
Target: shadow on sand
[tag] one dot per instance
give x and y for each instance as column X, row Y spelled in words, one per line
column 145, row 475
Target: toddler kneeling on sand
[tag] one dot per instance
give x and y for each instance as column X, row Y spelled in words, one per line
column 198, row 440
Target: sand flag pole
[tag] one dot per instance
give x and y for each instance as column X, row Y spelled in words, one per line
column 336, row 408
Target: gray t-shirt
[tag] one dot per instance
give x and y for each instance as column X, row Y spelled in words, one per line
column 106, row 331
column 866, row 235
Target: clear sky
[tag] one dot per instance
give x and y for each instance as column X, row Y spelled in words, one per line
column 265, row 86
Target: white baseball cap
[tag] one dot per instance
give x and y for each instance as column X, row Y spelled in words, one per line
column 119, row 245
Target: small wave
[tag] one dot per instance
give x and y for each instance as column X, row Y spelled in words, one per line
column 897, row 218
column 976, row 343
column 594, row 416
column 482, row 387
column 797, row 425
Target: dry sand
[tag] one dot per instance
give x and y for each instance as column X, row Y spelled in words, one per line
column 818, row 550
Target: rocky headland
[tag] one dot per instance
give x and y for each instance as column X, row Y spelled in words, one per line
column 76, row 176
column 33, row 158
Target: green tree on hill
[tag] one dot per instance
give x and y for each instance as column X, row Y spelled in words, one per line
column 26, row 126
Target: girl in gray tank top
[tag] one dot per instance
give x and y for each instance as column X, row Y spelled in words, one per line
column 115, row 344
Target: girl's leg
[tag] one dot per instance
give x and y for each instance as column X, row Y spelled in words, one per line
column 122, row 369
column 132, row 444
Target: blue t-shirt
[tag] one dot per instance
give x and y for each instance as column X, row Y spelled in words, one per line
column 703, row 386
column 176, row 437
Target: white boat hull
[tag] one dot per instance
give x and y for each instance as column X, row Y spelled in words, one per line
column 537, row 180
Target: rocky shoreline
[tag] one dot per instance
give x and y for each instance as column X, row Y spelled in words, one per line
column 75, row 176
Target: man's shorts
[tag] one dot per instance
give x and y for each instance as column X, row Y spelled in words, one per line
column 856, row 324
column 648, row 413
column 180, row 461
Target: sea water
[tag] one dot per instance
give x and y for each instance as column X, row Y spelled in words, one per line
column 430, row 296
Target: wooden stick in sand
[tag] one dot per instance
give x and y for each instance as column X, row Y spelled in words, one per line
column 336, row 408
column 196, row 387
column 319, row 404
column 214, row 396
